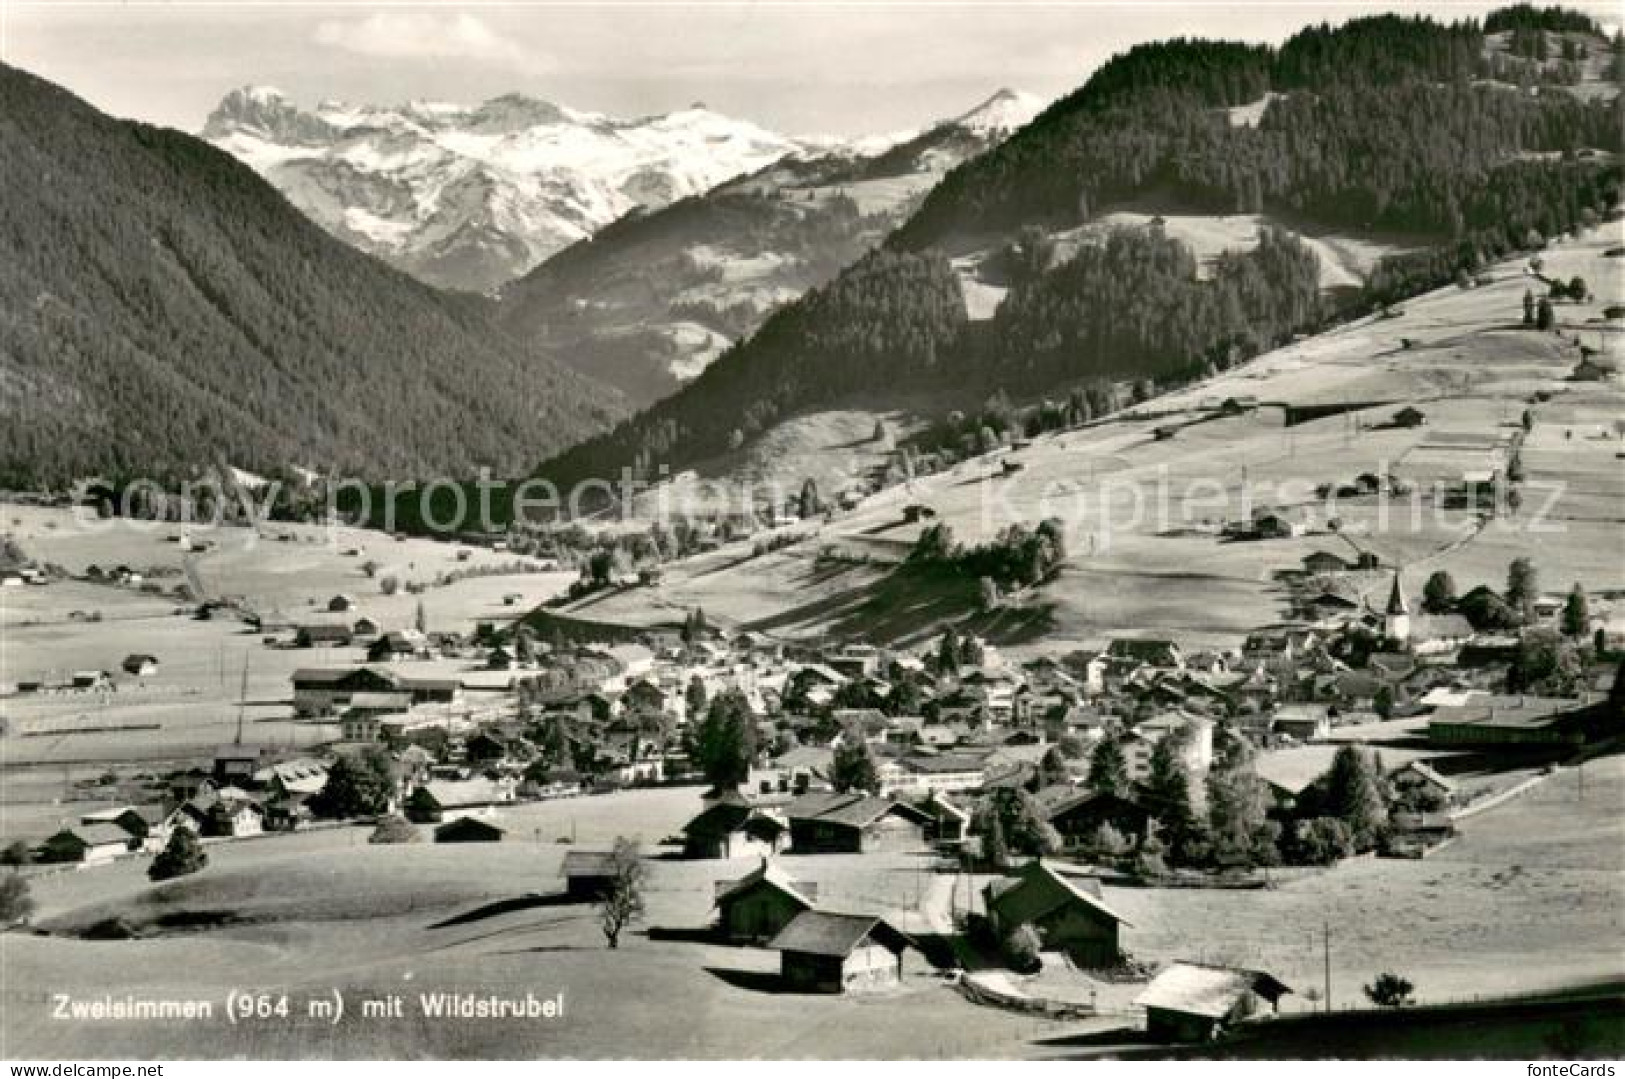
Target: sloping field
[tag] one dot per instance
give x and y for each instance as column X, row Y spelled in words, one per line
column 1142, row 512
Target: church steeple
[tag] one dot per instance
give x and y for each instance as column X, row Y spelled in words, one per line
column 1396, row 623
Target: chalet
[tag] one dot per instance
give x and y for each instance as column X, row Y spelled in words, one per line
column 468, row 830
column 853, row 824
column 589, row 875
column 323, row 635
column 397, row 644
column 441, row 799
column 732, row 828
column 236, row 763
column 1068, row 916
column 1079, row 815
column 1409, row 416
column 140, row 664
column 824, row 952
column 1197, row 1002
column 1282, row 643
column 1317, row 562
column 375, row 704
column 1431, row 634
column 234, row 815
column 1272, row 525
column 1423, row 775
column 360, row 727
column 302, row 777
column 1303, row 722
column 760, row 904
column 1144, row 653
column 87, row 844
column 948, row 823
column 146, row 824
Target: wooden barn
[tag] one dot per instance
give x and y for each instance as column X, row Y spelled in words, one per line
column 588, row 875
column 1068, row 916
column 823, row 952
column 732, row 829
column 759, row 905
column 854, row 824
column 468, row 830
column 1196, row 1002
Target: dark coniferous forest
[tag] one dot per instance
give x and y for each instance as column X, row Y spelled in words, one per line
column 1385, row 125
column 164, row 308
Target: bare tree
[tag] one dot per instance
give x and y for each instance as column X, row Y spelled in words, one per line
column 623, row 900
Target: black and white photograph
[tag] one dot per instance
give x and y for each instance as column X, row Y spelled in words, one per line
column 836, row 530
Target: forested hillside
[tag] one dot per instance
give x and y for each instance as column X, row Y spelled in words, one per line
column 160, row 304
column 1384, row 124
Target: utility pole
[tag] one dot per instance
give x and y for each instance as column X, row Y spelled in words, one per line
column 1326, row 952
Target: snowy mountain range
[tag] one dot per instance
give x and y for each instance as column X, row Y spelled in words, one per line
column 471, row 197
column 654, row 298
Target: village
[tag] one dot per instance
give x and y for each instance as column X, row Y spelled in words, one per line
column 1015, row 795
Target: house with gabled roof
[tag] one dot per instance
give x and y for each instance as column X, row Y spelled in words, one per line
column 824, row 952
column 1067, row 915
column 1197, row 1002
column 854, row 823
column 758, row 906
column 87, row 844
column 733, row 828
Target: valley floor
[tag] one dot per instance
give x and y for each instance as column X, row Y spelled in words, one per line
column 1524, row 901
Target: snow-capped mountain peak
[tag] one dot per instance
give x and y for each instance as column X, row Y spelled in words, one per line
column 473, row 196
column 1004, row 112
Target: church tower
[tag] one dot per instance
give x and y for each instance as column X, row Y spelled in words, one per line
column 1396, row 623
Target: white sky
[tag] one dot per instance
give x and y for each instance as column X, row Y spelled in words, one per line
column 848, row 68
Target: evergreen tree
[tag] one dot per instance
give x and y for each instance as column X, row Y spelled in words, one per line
column 694, row 699
column 1439, row 593
column 725, row 744
column 357, row 786
column 1168, row 790
column 853, row 769
column 183, row 854
column 1108, row 768
column 1523, row 588
column 1237, row 805
column 1353, row 794
column 948, row 652
column 1576, row 613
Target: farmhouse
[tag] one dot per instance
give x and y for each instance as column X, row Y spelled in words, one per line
column 1410, row 416
column 1144, row 653
column 732, row 829
column 323, row 636
column 822, row 952
column 468, row 830
column 1303, row 722
column 854, row 824
column 588, row 875
column 1325, row 562
column 1195, row 1002
column 1078, row 817
column 89, row 844
column 760, row 904
column 140, row 665
column 1067, row 916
